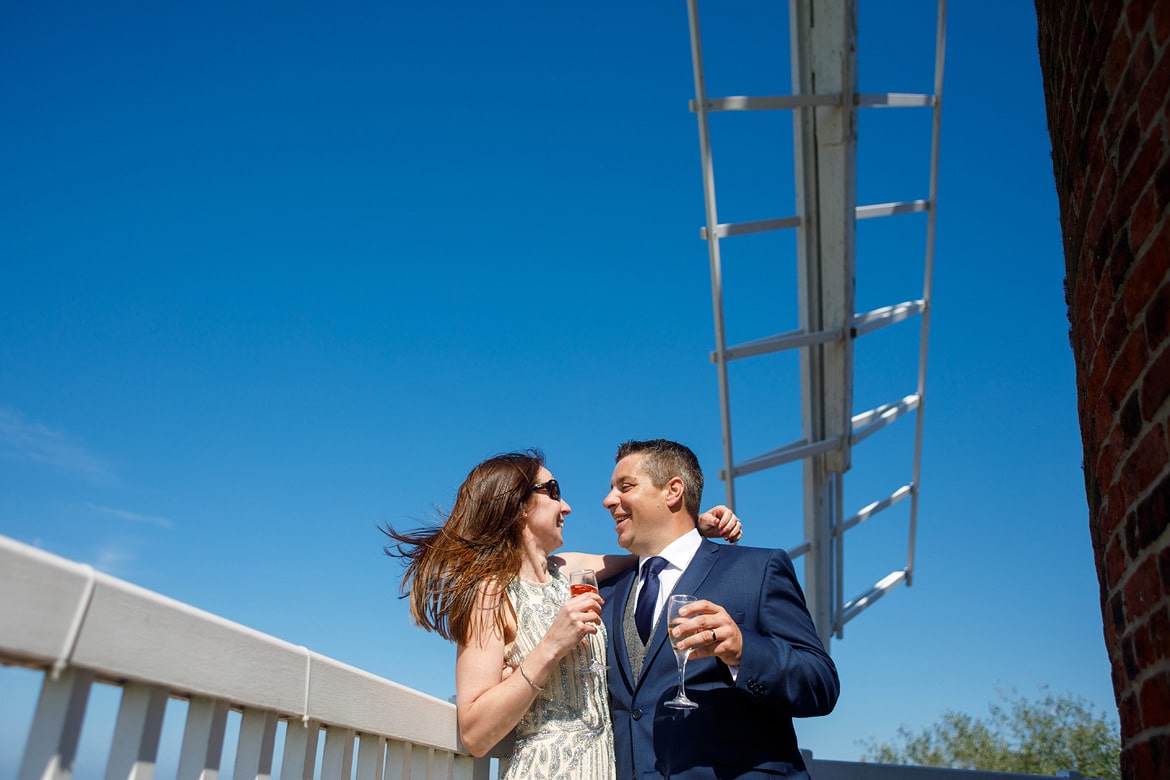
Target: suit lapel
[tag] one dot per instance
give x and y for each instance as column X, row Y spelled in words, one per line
column 700, row 568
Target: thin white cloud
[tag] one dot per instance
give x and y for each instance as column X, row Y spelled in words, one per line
column 134, row 517
column 111, row 557
column 25, row 440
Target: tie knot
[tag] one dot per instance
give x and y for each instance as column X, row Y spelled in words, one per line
column 653, row 567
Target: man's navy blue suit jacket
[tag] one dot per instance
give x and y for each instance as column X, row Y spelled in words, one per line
column 742, row 728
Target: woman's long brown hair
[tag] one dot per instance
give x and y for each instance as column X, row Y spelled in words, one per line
column 480, row 542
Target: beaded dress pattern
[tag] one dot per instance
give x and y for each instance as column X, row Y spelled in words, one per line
column 567, row 732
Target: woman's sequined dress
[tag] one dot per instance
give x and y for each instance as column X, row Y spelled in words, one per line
column 567, row 732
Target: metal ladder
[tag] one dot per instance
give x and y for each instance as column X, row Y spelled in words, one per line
column 825, row 104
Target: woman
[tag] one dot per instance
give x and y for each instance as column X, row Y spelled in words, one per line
column 485, row 580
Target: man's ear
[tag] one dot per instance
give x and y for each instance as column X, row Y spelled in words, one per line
column 674, row 490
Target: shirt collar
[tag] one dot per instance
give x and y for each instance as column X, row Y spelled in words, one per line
column 679, row 552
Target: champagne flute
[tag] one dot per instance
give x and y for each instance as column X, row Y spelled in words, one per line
column 585, row 581
column 680, row 701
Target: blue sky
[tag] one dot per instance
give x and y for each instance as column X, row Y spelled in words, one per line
column 276, row 273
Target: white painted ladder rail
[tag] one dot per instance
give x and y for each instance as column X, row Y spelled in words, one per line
column 82, row 627
column 825, row 141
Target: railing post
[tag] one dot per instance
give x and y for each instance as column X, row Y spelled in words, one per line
column 256, row 743
column 202, row 739
column 56, row 729
column 135, row 747
column 371, row 757
column 337, row 761
column 300, row 750
column 397, row 759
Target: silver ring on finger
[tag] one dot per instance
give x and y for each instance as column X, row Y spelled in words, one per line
column 714, row 639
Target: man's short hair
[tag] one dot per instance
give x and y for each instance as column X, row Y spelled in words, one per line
column 664, row 460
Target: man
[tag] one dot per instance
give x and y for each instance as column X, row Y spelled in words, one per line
column 756, row 661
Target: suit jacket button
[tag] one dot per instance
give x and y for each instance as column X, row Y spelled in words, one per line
column 637, row 714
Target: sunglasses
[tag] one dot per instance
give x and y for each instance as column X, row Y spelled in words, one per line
column 551, row 487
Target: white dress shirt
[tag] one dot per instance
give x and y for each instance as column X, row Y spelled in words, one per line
column 678, row 555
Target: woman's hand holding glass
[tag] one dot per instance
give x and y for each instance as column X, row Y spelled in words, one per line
column 578, row 618
column 584, row 583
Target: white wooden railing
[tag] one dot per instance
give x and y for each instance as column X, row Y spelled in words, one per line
column 82, row 628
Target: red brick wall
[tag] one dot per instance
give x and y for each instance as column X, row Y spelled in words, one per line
column 1106, row 72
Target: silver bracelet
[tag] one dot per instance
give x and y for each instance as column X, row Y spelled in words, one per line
column 529, row 679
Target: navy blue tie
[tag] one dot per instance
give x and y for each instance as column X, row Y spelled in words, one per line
column 648, row 596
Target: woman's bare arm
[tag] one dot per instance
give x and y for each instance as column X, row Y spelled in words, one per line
column 488, row 705
column 606, row 566
column 717, row 521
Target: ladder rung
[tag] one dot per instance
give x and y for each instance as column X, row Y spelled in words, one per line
column 888, row 209
column 877, row 506
column 887, row 315
column 799, row 550
column 778, row 343
column 770, row 103
column 744, row 228
column 789, row 452
column 864, row 425
column 785, row 102
column 868, row 423
column 852, row 608
column 894, row 100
